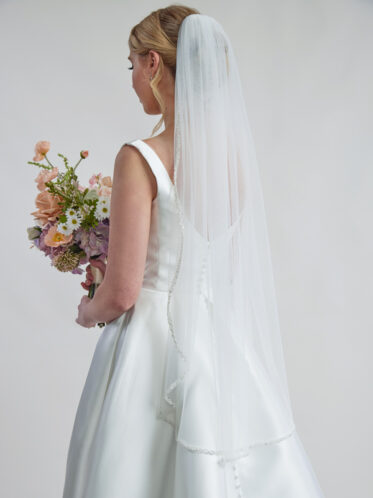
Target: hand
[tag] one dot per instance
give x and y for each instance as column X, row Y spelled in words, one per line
column 89, row 277
column 82, row 319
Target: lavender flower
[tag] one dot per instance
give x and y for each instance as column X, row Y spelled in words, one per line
column 48, row 251
column 93, row 242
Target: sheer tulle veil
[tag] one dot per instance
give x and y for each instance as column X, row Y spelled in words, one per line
column 224, row 364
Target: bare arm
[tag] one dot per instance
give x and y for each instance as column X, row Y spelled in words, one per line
column 130, row 213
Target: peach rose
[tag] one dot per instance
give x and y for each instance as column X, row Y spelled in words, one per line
column 44, row 176
column 48, row 209
column 106, row 191
column 54, row 238
column 106, row 181
column 41, row 148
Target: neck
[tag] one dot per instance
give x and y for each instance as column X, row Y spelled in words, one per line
column 168, row 118
column 167, row 90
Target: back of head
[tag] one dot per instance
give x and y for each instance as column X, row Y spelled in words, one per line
column 159, row 31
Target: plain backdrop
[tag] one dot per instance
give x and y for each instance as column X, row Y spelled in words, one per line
column 306, row 70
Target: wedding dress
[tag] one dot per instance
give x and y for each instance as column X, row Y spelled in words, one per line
column 121, row 446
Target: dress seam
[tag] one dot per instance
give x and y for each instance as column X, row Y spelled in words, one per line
column 154, row 290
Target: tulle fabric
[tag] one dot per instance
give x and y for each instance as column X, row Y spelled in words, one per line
column 224, row 357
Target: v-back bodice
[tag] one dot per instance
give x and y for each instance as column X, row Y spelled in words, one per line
column 164, row 231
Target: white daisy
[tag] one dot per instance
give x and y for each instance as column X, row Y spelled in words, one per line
column 102, row 211
column 64, row 228
column 72, row 212
column 104, row 200
column 73, row 221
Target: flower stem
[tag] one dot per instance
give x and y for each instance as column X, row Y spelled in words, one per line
column 76, row 165
column 48, row 161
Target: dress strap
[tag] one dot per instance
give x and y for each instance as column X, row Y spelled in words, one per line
column 164, row 183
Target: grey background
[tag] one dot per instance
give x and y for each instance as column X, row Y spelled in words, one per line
column 307, row 74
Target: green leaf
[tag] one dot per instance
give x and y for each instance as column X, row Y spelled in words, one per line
column 91, row 195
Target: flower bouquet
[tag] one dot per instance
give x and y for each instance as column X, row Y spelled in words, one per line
column 71, row 222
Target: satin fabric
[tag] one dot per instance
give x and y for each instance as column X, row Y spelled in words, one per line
column 120, row 447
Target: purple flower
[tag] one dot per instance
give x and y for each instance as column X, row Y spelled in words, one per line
column 40, row 244
column 94, row 242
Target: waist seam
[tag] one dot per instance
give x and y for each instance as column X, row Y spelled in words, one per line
column 154, row 290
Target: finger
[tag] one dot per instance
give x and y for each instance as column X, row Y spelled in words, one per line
column 88, row 275
column 96, row 262
column 89, row 279
column 100, row 265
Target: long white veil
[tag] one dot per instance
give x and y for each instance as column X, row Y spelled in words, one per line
column 225, row 387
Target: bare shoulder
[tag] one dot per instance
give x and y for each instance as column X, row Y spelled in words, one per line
column 164, row 147
column 132, row 165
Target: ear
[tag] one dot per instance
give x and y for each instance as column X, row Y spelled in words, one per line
column 153, row 59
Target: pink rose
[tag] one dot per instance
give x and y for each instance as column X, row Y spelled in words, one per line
column 45, row 176
column 94, row 179
column 41, row 148
column 83, row 154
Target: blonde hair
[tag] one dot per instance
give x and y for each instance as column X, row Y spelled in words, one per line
column 159, row 31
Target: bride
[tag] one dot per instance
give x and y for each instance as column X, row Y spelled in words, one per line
column 186, row 394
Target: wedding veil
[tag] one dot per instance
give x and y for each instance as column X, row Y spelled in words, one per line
column 224, row 387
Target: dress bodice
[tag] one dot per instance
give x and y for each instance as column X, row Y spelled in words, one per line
column 164, row 230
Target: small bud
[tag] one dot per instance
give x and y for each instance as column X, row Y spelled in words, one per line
column 84, row 154
column 33, row 232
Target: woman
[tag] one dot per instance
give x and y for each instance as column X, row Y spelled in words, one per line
column 186, row 395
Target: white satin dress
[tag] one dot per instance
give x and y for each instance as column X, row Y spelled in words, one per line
column 118, row 447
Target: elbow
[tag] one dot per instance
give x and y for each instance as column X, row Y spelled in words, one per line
column 124, row 301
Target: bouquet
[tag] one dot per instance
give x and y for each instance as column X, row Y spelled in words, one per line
column 71, row 222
